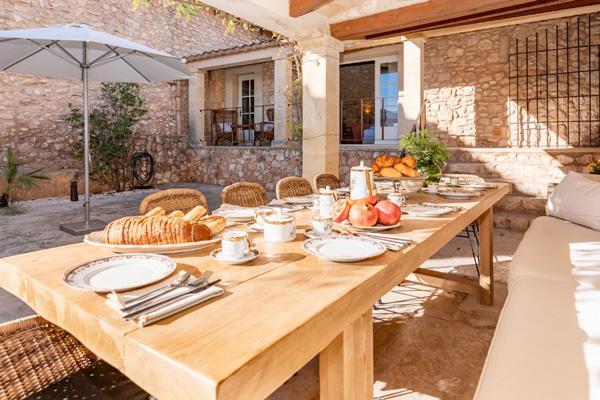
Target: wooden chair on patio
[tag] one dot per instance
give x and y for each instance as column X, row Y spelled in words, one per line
column 244, row 194
column 321, row 181
column 173, row 199
column 38, row 360
column 225, row 125
column 264, row 132
column 293, row 186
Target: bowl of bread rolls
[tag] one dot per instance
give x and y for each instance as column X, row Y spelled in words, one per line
column 160, row 232
column 404, row 169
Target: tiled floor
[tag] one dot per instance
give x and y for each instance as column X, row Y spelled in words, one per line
column 429, row 343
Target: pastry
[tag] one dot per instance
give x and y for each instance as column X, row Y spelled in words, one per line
column 155, row 212
column 406, row 170
column 176, row 214
column 385, row 160
column 388, row 172
column 410, row 161
column 195, row 214
column 215, row 223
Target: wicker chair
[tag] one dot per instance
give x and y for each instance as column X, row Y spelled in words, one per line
column 173, row 199
column 293, row 186
column 39, row 359
column 244, row 194
column 321, row 181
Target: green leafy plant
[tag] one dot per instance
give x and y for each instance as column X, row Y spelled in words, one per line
column 112, row 132
column 430, row 153
column 13, row 177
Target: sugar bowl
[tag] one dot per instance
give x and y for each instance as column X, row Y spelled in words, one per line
column 280, row 227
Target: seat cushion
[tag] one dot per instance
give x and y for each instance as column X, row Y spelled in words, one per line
column 546, row 345
column 557, row 250
column 99, row 381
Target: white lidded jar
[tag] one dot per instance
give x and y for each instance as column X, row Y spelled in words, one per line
column 280, row 228
column 362, row 183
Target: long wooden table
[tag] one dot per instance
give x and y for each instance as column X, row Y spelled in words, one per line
column 278, row 312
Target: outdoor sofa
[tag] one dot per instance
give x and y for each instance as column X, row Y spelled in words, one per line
column 547, row 341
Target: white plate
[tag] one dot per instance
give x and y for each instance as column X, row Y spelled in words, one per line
column 457, row 195
column 376, row 228
column 299, row 199
column 97, row 239
column 424, row 211
column 478, row 187
column 120, row 273
column 236, row 214
column 343, row 248
column 217, row 256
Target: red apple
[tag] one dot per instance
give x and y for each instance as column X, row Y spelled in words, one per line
column 340, row 210
column 388, row 212
column 363, row 214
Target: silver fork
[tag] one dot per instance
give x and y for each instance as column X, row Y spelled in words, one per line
column 192, row 283
column 181, row 279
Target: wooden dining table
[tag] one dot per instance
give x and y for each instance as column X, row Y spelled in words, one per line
column 278, row 312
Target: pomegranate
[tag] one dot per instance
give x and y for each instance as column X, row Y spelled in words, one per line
column 340, row 210
column 363, row 215
column 372, row 200
column 388, row 212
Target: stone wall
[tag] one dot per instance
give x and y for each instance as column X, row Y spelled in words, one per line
column 467, row 84
column 32, row 109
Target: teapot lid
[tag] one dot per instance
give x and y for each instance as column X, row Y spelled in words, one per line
column 361, row 167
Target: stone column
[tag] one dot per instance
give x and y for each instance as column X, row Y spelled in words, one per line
column 412, row 74
column 321, row 106
column 281, row 98
column 196, row 104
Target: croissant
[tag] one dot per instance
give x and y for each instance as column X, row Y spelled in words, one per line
column 385, row 161
column 140, row 230
column 410, row 161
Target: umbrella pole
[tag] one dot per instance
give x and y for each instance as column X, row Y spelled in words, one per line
column 88, row 225
column 86, row 139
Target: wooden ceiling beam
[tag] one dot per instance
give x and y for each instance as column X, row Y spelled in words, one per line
column 298, row 8
column 436, row 14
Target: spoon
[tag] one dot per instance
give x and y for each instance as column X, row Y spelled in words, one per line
column 180, row 280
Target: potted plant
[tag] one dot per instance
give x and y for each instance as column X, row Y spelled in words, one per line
column 430, row 153
column 11, row 177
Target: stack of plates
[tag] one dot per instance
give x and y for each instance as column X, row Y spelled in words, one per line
column 417, row 210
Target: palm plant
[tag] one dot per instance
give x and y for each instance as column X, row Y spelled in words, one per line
column 11, row 177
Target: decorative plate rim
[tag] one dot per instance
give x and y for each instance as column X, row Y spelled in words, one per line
column 382, row 248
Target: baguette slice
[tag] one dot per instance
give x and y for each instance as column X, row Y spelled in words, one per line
column 176, row 214
column 195, row 214
column 215, row 223
column 155, row 212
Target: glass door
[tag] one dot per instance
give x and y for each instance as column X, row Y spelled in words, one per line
column 386, row 104
column 246, row 107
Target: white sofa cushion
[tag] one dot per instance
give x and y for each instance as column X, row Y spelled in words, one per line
column 546, row 345
column 556, row 249
column 576, row 199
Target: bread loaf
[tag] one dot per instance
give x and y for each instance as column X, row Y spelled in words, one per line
column 142, row 230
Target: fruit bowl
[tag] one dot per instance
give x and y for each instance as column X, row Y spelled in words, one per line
column 412, row 185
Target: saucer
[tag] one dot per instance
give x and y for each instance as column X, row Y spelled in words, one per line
column 312, row 234
column 257, row 227
column 217, row 256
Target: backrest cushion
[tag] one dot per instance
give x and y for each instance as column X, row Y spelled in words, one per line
column 576, row 199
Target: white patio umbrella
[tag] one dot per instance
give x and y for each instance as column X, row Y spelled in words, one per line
column 78, row 52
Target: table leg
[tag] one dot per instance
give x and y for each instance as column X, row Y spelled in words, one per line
column 346, row 364
column 486, row 254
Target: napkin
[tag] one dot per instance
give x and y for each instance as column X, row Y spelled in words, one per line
column 115, row 301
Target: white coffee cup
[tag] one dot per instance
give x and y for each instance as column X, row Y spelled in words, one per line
column 397, row 198
column 432, row 188
column 280, row 228
column 235, row 244
column 322, row 225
